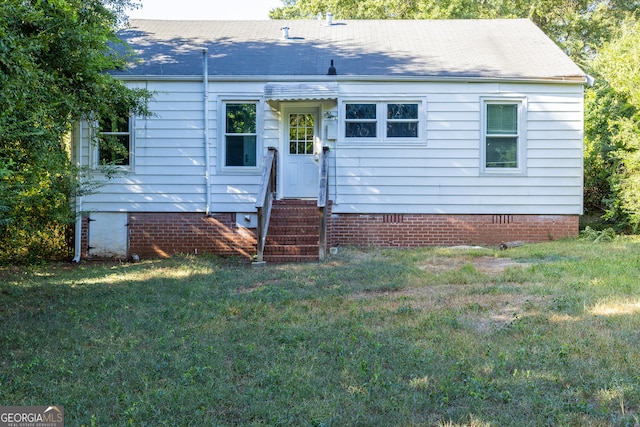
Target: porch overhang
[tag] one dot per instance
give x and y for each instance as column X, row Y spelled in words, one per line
column 300, row 91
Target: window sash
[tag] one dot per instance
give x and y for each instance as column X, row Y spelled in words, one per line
column 502, row 152
column 502, row 138
column 241, row 138
column 502, row 119
column 114, row 146
column 361, row 120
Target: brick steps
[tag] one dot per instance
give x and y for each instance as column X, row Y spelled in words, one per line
column 293, row 234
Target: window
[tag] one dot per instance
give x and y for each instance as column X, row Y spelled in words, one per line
column 240, row 147
column 114, row 146
column 502, row 139
column 402, row 120
column 360, row 121
column 383, row 121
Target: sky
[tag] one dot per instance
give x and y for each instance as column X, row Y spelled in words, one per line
column 205, row 9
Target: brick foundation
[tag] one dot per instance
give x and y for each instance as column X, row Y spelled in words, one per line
column 416, row 230
column 165, row 234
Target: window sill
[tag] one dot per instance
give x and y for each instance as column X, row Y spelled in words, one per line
column 238, row 170
column 383, row 142
column 503, row 172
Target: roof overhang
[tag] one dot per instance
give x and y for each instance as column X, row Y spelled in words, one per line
column 304, row 80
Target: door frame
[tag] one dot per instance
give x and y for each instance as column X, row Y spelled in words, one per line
column 286, row 109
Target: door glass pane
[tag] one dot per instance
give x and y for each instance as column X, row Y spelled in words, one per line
column 301, row 133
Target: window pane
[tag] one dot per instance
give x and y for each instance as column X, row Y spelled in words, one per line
column 241, row 151
column 361, row 111
column 114, row 124
column 402, row 130
column 114, row 150
column 502, row 152
column 241, row 118
column 360, row 130
column 502, row 119
column 402, row 111
column 309, row 147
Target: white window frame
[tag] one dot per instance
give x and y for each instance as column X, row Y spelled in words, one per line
column 381, row 121
column 521, row 135
column 96, row 161
column 222, row 135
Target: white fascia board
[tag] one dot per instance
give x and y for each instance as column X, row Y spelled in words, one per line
column 579, row 80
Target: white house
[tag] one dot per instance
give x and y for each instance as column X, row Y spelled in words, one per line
column 436, row 133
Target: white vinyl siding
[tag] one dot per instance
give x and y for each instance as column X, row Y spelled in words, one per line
column 447, row 176
column 442, row 173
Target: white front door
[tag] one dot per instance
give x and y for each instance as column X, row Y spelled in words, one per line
column 301, row 148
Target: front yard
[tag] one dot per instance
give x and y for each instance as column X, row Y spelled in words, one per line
column 545, row 334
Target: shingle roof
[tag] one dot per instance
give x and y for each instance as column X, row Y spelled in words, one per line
column 509, row 48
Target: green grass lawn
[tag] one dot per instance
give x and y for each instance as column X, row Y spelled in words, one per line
column 545, row 334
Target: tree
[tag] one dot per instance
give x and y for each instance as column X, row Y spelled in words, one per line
column 578, row 26
column 613, row 127
column 53, row 58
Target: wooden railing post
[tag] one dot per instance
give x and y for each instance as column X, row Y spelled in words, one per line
column 264, row 201
column 323, row 191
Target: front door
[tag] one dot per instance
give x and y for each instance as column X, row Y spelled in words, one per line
column 300, row 174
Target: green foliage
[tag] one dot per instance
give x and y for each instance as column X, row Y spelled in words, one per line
column 619, row 60
column 604, row 110
column 612, row 143
column 53, row 58
column 590, row 234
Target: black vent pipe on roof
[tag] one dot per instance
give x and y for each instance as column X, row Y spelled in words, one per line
column 332, row 70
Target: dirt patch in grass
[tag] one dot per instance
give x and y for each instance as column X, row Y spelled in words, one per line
column 486, row 264
column 482, row 307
